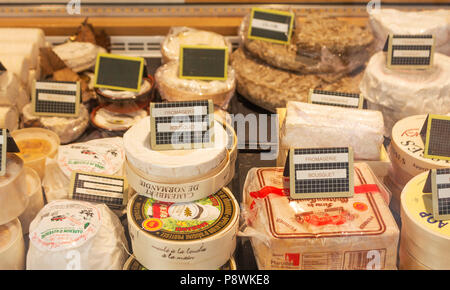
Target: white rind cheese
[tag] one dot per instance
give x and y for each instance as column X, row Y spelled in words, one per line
column 36, row 199
column 78, row 56
column 12, row 246
column 33, row 35
column 173, row 165
column 118, row 94
column 24, row 48
column 68, row 129
column 402, row 93
column 17, row 64
column 323, row 233
column 76, row 235
column 9, row 118
column 310, row 125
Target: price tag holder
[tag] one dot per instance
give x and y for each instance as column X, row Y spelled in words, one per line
column 52, row 98
column 203, row 62
column 410, row 51
column 271, row 25
column 435, row 134
column 320, row 172
column 3, row 149
column 99, row 188
column 182, row 125
column 438, row 183
column 118, row 72
column 338, row 99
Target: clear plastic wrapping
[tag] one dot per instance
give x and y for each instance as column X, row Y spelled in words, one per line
column 182, row 35
column 173, row 88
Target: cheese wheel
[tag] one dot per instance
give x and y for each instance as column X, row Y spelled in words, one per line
column 408, row 262
column 321, row 233
column 36, row 199
column 132, row 265
column 173, row 165
column 173, row 88
column 198, row 235
column 9, row 118
column 428, row 238
column 13, row 190
column 24, row 48
column 177, row 36
column 407, row 148
column 402, row 93
column 76, row 235
column 36, row 145
column 78, row 56
column 12, row 246
column 33, row 35
column 68, row 129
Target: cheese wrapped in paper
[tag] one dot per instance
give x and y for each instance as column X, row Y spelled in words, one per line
column 311, row 126
column 324, row 233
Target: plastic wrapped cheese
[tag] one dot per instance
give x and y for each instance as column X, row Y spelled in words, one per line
column 173, row 88
column 76, row 235
column 322, row 233
column 78, row 56
column 177, row 36
column 310, row 126
column 104, row 156
column 402, row 93
column 17, row 64
column 435, row 22
column 9, row 118
column 36, row 199
column 12, row 246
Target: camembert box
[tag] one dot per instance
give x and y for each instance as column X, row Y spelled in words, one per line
column 326, row 233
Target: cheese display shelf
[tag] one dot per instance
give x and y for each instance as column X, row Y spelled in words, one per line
column 256, row 74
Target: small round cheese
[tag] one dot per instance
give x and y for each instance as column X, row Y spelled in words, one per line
column 76, row 235
column 78, row 56
column 36, row 198
column 67, row 128
column 173, row 164
column 112, row 121
column 12, row 247
column 402, row 93
column 13, row 190
column 190, row 236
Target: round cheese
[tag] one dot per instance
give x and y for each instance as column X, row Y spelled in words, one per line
column 76, row 235
column 408, row 262
column 173, row 165
column 36, row 145
column 177, row 36
column 12, row 246
column 132, row 265
column 67, row 128
column 145, row 86
column 112, row 121
column 78, row 56
column 402, row 93
column 13, row 190
column 407, row 148
column 189, row 236
column 426, row 238
column 36, row 199
column 173, row 88
column 9, row 118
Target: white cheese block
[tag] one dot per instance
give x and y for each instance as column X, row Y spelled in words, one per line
column 36, row 199
column 33, row 35
column 310, row 125
column 36, row 145
column 323, row 233
column 435, row 22
column 68, row 129
column 13, row 190
column 198, row 235
column 177, row 36
column 12, row 246
column 402, row 93
column 104, row 156
column 17, row 64
column 9, row 118
column 173, row 165
column 24, row 48
column 76, row 235
column 425, row 238
column 172, row 88
column 133, row 265
column 78, row 56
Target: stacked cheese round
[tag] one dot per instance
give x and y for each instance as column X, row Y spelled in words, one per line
column 76, row 235
column 12, row 246
column 198, row 235
column 36, row 145
column 132, row 265
column 13, row 190
column 424, row 239
column 68, row 129
column 36, row 199
column 177, row 175
column 402, row 93
column 406, row 154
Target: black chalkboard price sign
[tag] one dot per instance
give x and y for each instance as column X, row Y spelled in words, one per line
column 203, row 62
column 271, row 25
column 436, row 135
